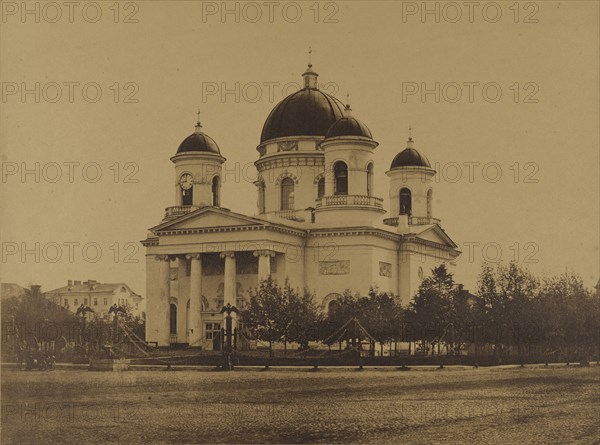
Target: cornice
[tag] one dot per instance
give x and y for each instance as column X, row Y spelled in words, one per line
column 194, row 231
column 150, row 241
column 358, row 231
column 403, row 240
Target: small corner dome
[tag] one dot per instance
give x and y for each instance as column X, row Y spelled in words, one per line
column 198, row 142
column 410, row 157
column 348, row 126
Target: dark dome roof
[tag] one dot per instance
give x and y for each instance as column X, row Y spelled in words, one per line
column 409, row 157
column 198, row 141
column 308, row 112
column 348, row 126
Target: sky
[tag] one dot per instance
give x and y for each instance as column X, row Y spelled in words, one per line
column 96, row 97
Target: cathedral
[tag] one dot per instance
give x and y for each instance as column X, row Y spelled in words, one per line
column 318, row 223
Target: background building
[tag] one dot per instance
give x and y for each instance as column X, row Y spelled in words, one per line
column 319, row 222
column 98, row 296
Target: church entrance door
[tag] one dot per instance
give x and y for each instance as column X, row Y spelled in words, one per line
column 217, row 341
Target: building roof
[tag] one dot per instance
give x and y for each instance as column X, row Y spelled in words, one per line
column 93, row 288
column 198, row 142
column 308, row 112
column 410, row 157
column 348, row 126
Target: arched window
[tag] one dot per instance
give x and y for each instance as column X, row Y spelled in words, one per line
column 261, row 198
column 216, row 189
column 321, row 188
column 405, row 202
column 331, row 302
column 429, row 202
column 332, row 307
column 369, row 179
column 187, row 196
column 173, row 319
column 287, row 194
column 340, row 172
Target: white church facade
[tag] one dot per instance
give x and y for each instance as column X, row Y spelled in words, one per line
column 319, row 223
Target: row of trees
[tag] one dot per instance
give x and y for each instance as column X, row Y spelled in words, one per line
column 281, row 314
column 33, row 322
column 510, row 310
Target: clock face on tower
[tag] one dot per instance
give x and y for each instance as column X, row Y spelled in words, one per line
column 186, row 181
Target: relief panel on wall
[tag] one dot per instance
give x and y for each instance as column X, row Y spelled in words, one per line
column 385, row 269
column 334, row 267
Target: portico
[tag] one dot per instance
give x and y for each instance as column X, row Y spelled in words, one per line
column 188, row 285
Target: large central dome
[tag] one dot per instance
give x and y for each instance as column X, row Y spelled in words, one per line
column 308, row 112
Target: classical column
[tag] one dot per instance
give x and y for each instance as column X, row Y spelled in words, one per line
column 195, row 317
column 229, row 284
column 264, row 263
column 163, row 309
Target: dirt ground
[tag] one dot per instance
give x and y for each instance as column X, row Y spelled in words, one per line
column 508, row 405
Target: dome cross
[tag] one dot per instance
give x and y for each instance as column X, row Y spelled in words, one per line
column 198, row 124
column 410, row 142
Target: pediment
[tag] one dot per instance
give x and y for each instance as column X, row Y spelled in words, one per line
column 209, row 217
column 436, row 234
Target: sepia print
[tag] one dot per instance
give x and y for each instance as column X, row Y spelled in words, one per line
column 300, row 222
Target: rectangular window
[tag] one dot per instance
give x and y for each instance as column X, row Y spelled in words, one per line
column 85, row 301
column 106, row 302
column 66, row 302
column 212, row 329
column 95, row 302
column 75, row 301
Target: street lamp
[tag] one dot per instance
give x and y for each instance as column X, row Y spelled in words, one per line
column 230, row 342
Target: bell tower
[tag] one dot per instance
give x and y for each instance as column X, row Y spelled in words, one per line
column 198, row 164
column 411, row 189
column 349, row 168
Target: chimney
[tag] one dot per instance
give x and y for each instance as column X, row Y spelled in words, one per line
column 77, row 283
column 36, row 290
column 70, row 283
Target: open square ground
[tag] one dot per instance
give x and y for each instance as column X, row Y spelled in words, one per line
column 533, row 405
